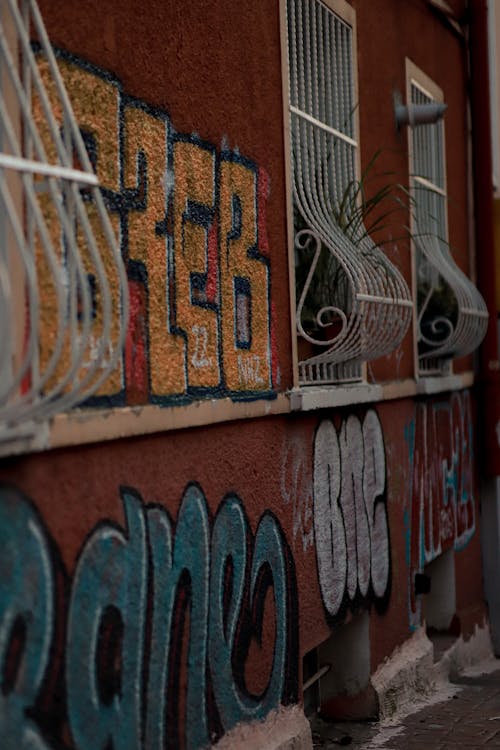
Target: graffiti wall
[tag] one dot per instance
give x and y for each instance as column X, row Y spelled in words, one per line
column 191, row 220
column 135, row 616
column 442, row 511
column 146, row 646
column 150, row 599
column 350, row 513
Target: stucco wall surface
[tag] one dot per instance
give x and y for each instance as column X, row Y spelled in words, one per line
column 159, row 591
column 169, row 586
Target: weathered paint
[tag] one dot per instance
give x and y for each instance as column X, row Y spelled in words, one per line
column 296, row 487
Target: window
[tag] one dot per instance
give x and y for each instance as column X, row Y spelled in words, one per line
column 353, row 305
column 451, row 314
column 63, row 303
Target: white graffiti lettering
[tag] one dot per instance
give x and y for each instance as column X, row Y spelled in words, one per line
column 248, row 369
column 350, row 513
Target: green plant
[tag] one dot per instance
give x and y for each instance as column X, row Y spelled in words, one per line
column 362, row 213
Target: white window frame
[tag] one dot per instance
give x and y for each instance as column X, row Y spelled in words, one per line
column 446, row 340
column 379, row 299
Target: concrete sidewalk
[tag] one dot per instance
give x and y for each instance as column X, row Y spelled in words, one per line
column 463, row 713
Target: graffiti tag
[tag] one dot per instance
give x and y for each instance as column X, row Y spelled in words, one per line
column 351, row 527
column 442, row 513
column 154, row 612
column 192, row 228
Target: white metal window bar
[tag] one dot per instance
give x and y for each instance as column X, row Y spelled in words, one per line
column 452, row 315
column 367, row 311
column 63, row 294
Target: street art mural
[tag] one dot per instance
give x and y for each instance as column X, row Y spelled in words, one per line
column 351, row 527
column 147, row 645
column 442, row 511
column 191, row 221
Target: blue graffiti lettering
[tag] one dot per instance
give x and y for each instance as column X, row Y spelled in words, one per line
column 231, row 525
column 110, row 577
column 26, row 619
column 184, row 567
column 144, row 599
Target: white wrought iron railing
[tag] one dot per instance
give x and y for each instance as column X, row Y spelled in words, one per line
column 367, row 310
column 452, row 316
column 63, row 290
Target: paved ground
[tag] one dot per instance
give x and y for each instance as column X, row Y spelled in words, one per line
column 468, row 717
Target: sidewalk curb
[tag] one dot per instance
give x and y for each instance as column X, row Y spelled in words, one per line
column 404, row 683
column 464, row 654
column 410, row 675
column 404, row 675
column 287, row 728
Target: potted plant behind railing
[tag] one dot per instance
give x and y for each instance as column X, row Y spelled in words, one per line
column 359, row 215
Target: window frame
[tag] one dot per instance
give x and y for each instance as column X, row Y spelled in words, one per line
column 414, row 75
column 443, row 366
column 346, row 14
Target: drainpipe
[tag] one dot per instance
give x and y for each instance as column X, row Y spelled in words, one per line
column 489, row 375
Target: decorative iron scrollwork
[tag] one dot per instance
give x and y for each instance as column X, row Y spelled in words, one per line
column 367, row 310
column 63, row 286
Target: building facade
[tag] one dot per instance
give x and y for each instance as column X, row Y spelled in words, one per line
column 239, row 441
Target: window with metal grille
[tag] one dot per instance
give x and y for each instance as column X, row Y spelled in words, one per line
column 451, row 314
column 63, row 287
column 353, row 305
